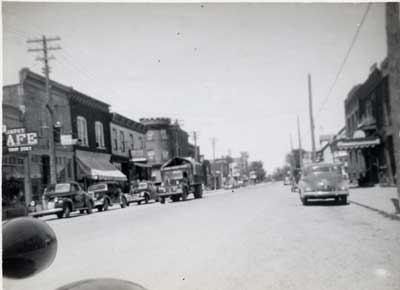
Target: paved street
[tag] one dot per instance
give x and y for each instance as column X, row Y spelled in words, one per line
column 259, row 237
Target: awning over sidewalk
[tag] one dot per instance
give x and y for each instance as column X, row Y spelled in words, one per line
column 97, row 166
column 358, row 143
column 142, row 165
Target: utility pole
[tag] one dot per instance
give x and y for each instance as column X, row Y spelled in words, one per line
column 176, row 138
column 300, row 148
column 46, row 70
column 213, row 141
column 312, row 127
column 195, row 145
column 393, row 45
column 291, row 156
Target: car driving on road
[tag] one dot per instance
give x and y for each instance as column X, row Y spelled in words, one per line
column 63, row 198
column 323, row 181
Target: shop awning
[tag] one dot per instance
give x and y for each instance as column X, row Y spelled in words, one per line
column 97, row 166
column 142, row 165
column 358, row 143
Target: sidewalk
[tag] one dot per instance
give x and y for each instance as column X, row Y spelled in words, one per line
column 376, row 198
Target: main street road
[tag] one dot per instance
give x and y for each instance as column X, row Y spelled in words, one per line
column 258, row 237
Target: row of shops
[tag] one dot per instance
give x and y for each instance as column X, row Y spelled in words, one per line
column 365, row 145
column 95, row 144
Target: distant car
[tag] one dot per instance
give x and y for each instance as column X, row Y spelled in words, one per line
column 63, row 198
column 106, row 194
column 323, row 181
column 287, row 181
column 145, row 191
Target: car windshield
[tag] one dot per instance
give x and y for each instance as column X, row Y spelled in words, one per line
column 58, row 188
column 173, row 175
column 318, row 169
column 97, row 187
column 142, row 185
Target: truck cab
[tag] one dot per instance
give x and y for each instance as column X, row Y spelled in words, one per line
column 181, row 177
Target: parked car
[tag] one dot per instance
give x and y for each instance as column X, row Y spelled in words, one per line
column 106, row 194
column 145, row 191
column 63, row 198
column 323, row 181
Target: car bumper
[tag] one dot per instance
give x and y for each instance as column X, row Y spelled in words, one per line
column 46, row 212
column 324, row 194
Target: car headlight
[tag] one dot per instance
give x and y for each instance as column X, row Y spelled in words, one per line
column 56, row 199
column 308, row 189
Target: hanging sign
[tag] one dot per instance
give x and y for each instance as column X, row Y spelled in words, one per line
column 18, row 140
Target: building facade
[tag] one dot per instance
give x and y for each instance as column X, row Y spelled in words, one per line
column 92, row 150
column 128, row 147
column 27, row 101
column 368, row 142
column 165, row 140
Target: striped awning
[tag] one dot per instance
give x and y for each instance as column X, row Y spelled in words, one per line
column 358, row 143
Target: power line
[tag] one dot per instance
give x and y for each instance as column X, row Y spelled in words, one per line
column 346, row 56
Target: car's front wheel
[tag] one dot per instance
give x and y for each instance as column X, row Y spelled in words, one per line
column 67, row 211
column 343, row 199
column 124, row 203
column 89, row 209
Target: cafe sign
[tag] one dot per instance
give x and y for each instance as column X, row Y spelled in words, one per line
column 18, row 140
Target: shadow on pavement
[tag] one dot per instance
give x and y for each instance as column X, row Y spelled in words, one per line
column 391, row 216
column 325, row 203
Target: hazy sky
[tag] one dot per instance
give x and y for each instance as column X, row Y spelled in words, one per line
column 234, row 71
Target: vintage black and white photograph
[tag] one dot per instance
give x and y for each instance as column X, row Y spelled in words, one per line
column 200, row 146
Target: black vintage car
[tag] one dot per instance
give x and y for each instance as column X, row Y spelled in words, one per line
column 63, row 198
column 106, row 194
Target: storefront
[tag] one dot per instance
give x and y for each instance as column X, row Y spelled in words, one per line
column 364, row 159
column 92, row 167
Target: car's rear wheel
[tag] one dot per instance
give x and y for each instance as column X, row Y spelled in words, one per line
column 99, row 208
column 343, row 199
column 304, row 200
column 124, row 202
column 59, row 215
column 105, row 205
column 146, row 199
column 81, row 211
column 162, row 201
column 175, row 198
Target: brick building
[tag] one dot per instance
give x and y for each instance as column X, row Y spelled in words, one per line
column 26, row 101
column 165, row 140
column 368, row 142
column 128, row 147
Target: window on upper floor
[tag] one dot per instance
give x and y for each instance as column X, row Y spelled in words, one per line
column 99, row 134
column 151, row 155
column 82, row 131
column 115, row 139
column 122, row 141
column 165, row 155
column 131, row 143
column 164, row 135
column 141, row 143
column 150, row 135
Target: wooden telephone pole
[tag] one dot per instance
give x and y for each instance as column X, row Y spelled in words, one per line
column 300, row 148
column 43, row 41
column 312, row 126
